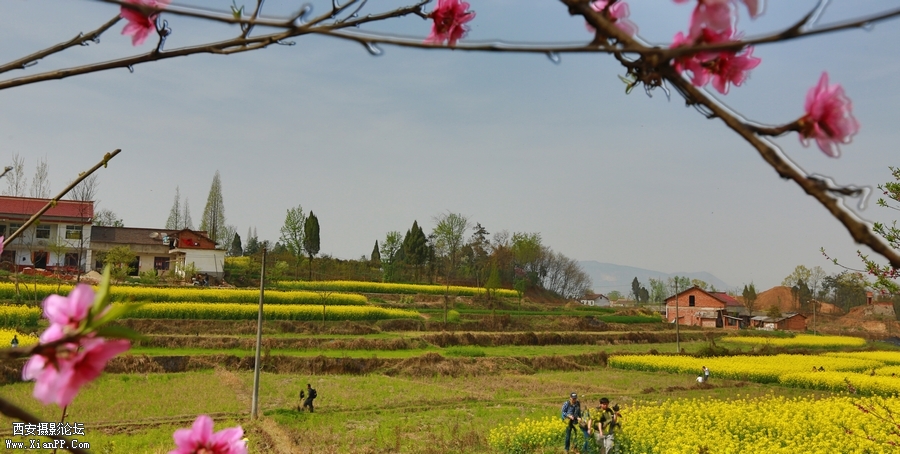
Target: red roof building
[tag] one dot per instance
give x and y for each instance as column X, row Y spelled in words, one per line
column 60, row 238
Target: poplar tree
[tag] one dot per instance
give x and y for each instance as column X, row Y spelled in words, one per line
column 292, row 233
column 175, row 221
column 213, row 221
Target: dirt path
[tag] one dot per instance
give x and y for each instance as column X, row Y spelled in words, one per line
column 265, row 435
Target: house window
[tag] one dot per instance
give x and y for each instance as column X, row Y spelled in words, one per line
column 13, row 227
column 3, row 230
column 160, row 263
column 43, row 231
column 73, row 232
column 691, row 301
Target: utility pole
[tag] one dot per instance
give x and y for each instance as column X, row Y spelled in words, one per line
column 259, row 320
column 677, row 333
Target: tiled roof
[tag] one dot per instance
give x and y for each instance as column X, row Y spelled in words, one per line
column 128, row 235
column 24, row 207
column 726, row 298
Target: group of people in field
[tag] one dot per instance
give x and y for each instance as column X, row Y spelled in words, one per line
column 599, row 423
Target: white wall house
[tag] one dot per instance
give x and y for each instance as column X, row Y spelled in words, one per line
column 59, row 240
column 594, row 299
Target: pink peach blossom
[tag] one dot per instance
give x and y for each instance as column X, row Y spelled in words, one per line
column 722, row 67
column 829, row 117
column 66, row 312
column 201, row 439
column 60, row 375
column 732, row 68
column 140, row 26
column 617, row 13
column 449, row 18
column 716, row 15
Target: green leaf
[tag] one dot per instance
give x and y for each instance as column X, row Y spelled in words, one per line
column 237, row 12
column 101, row 300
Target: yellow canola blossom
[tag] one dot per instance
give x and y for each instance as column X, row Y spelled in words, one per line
column 762, row 369
column 200, row 294
column 19, row 315
column 770, row 425
column 890, row 358
column 25, row 340
column 528, row 435
column 800, row 340
column 232, row 311
column 386, row 287
column 844, row 381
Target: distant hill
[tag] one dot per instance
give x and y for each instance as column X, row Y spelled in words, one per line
column 608, row 277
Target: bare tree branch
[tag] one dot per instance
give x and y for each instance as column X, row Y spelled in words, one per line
column 79, row 40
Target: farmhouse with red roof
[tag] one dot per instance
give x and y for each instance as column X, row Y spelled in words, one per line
column 60, row 239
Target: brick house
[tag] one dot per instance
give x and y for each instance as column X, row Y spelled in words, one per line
column 162, row 250
column 790, row 321
column 61, row 238
column 697, row 307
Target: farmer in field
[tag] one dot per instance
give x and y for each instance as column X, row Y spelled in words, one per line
column 705, row 374
column 605, row 421
column 310, row 395
column 571, row 414
column 14, row 342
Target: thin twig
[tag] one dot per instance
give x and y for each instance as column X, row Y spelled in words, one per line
column 79, row 40
column 248, row 28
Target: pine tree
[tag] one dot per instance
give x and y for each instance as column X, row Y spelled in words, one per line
column 213, row 221
column 311, row 238
column 415, row 248
column 236, row 249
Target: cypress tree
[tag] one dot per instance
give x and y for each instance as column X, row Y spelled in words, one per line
column 311, row 238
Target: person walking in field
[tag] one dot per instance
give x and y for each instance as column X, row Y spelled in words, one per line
column 14, row 342
column 310, row 396
column 571, row 414
column 705, row 374
column 605, row 421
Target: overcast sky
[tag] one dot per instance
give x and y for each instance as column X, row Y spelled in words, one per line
column 514, row 142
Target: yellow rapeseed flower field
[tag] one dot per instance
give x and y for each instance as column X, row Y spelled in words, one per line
column 762, row 369
column 771, row 425
column 387, row 287
column 800, row 340
column 891, row 358
column 528, row 435
column 778, row 425
column 200, row 294
column 234, row 311
column 6, row 336
column 19, row 315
